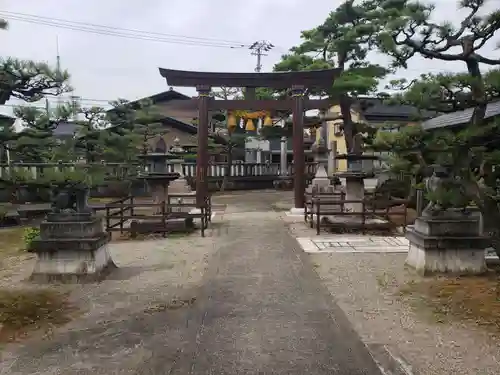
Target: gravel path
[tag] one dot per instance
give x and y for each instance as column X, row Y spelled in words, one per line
column 243, row 300
column 366, row 287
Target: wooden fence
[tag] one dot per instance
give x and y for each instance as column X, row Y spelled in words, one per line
column 121, row 211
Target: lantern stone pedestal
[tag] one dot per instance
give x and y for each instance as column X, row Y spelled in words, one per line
column 448, row 242
column 158, row 184
column 180, row 186
column 72, row 247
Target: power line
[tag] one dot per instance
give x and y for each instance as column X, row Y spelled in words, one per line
column 115, row 28
column 259, row 49
column 107, row 30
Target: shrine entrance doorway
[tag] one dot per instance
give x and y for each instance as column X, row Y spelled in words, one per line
column 297, row 82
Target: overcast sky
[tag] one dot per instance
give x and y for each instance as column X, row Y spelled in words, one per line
column 105, row 67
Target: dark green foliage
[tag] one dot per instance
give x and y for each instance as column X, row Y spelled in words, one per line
column 36, row 142
column 7, row 135
column 407, row 29
column 29, row 80
column 469, row 150
column 89, row 140
column 131, row 127
column 342, row 41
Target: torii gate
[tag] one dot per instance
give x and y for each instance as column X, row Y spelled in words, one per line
column 298, row 104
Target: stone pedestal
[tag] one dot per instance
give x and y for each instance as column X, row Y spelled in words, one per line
column 158, row 184
column 181, row 186
column 446, row 244
column 354, row 191
column 71, row 248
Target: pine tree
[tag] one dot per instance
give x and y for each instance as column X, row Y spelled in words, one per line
column 470, row 152
column 36, row 141
column 343, row 41
column 89, row 138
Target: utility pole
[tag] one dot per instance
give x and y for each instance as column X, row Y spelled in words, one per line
column 259, row 49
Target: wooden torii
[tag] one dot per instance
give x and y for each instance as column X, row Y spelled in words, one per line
column 298, row 82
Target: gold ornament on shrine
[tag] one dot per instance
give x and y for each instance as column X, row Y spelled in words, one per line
column 250, row 127
column 254, row 115
column 231, row 121
column 268, row 121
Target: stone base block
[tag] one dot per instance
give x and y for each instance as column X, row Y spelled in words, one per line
column 178, row 225
column 71, row 226
column 189, row 200
column 446, row 254
column 179, row 186
column 454, row 261
column 294, row 211
column 75, row 266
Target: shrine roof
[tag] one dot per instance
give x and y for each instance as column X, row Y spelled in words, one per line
column 319, row 79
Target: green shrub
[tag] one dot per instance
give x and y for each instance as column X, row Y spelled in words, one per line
column 29, row 235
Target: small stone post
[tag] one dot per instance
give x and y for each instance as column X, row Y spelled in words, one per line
column 283, row 157
column 332, row 154
column 354, row 183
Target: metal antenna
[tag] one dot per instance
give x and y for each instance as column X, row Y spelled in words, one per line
column 259, row 49
column 58, row 69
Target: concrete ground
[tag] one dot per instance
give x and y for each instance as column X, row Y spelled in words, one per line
column 243, row 300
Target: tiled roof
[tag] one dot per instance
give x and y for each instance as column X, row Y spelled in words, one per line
column 460, row 117
column 65, row 128
column 164, row 96
column 375, row 108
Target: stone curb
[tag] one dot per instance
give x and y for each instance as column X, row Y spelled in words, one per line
column 388, row 362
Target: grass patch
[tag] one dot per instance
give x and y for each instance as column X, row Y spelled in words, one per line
column 475, row 298
column 22, row 311
column 11, row 241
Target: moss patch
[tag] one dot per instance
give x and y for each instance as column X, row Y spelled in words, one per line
column 475, row 299
column 22, row 311
column 11, row 241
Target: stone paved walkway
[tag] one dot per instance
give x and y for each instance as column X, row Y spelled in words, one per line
column 354, row 244
column 260, row 309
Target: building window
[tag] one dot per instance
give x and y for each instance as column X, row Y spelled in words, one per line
column 161, row 146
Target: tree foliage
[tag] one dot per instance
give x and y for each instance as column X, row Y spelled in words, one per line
column 468, row 148
column 343, row 41
column 30, row 81
column 36, row 141
column 407, row 30
column 147, row 126
column 89, row 138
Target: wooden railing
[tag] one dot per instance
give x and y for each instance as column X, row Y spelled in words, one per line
column 121, row 211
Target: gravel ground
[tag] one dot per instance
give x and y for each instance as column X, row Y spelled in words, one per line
column 124, row 328
column 250, row 304
column 151, row 275
column 366, row 287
